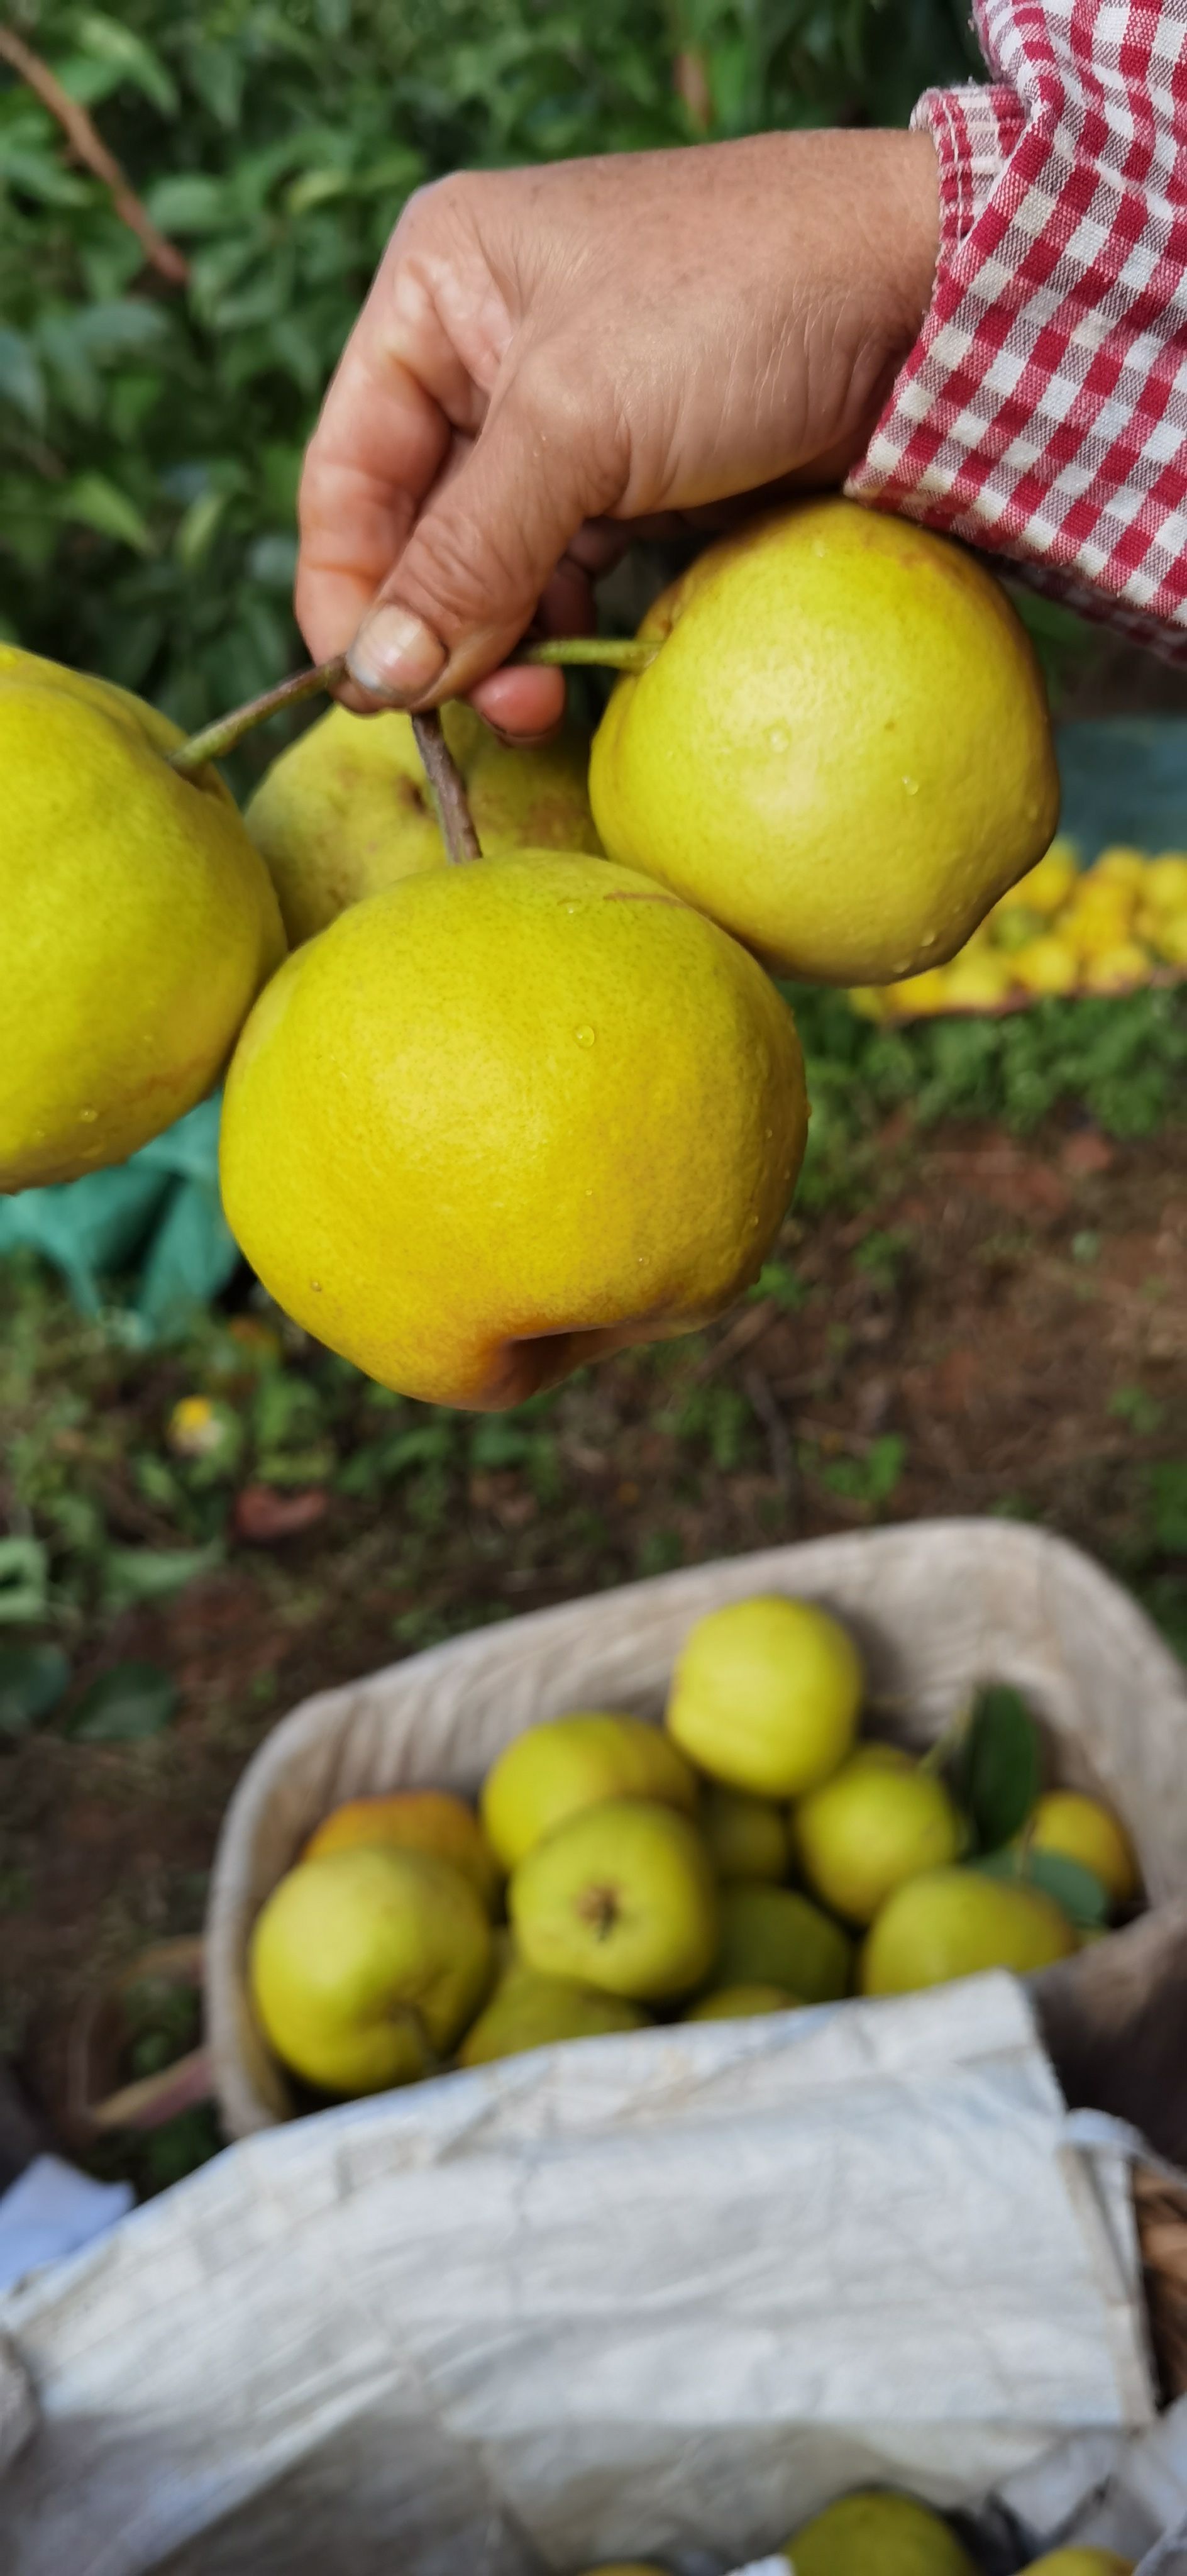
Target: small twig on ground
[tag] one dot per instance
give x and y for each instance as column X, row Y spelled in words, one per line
column 87, row 145
column 744, row 1332
column 766, row 1409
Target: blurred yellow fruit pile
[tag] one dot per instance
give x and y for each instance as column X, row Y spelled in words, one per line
column 1062, row 929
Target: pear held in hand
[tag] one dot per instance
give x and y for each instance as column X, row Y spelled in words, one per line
column 139, row 925
column 842, row 749
column 623, row 1897
column 366, row 1966
column 551, row 1771
column 507, row 1118
column 346, row 810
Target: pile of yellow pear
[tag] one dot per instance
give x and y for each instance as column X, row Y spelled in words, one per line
column 877, row 2531
column 751, row 1855
column 490, row 1121
column 1062, row 930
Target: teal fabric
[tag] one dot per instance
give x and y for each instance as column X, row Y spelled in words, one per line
column 1124, row 778
column 155, row 1221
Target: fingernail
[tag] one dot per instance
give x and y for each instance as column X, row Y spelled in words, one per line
column 395, row 656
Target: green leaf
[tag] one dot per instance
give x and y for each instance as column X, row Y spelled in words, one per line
column 32, row 1681
column 190, row 202
column 132, row 1574
column 101, row 505
column 316, row 188
column 21, row 380
column 132, row 1701
column 1077, row 1891
column 24, row 1579
column 1168, row 1492
column 128, row 55
column 38, row 174
column 196, row 530
column 999, row 1769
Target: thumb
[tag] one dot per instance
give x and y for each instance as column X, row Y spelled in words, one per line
column 487, row 541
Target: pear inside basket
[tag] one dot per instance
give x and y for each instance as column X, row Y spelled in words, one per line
column 862, row 1765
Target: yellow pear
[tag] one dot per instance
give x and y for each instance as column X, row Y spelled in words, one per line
column 1046, row 965
column 139, row 925
column 345, row 811
column 980, row 979
column 877, row 2533
column 550, row 1771
column 747, row 1837
column 430, row 1820
column 623, row 1897
column 775, row 1936
column 528, row 2010
column 509, row 1117
column 841, row 750
column 743, row 2003
column 954, row 1923
column 1046, row 887
column 1080, row 1828
column 366, row 1966
column 765, row 1695
column 872, row 1826
column 1080, row 2562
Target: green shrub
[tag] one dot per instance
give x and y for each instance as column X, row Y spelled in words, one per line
column 150, row 438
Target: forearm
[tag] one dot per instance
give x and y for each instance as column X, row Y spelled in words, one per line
column 1042, row 413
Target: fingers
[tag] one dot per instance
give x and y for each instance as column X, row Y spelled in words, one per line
column 489, row 539
column 526, row 706
column 399, row 400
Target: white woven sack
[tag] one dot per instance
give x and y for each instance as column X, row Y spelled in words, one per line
column 936, row 1606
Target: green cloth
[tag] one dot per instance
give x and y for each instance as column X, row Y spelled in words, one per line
column 155, row 1222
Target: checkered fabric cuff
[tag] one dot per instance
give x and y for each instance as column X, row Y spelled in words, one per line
column 1042, row 413
column 974, row 132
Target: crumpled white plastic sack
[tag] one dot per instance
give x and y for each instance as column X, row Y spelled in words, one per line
column 51, row 2210
column 655, row 2296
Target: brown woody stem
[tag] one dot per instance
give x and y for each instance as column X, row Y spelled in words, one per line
column 88, row 146
column 562, row 652
column 217, row 739
column 449, row 795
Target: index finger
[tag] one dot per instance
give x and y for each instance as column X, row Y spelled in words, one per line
column 399, row 394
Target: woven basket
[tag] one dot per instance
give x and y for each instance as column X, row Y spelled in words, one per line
column 937, row 1608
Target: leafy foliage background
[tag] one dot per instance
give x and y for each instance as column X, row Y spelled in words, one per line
column 150, row 438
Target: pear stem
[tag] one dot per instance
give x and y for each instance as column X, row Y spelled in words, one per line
column 560, row 652
column 217, row 739
column 448, row 792
column 599, row 652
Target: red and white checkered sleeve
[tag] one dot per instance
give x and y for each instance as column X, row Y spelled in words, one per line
column 1042, row 414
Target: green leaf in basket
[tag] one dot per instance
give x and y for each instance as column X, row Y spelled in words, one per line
column 32, row 1681
column 1077, row 1891
column 126, row 1704
column 999, row 1768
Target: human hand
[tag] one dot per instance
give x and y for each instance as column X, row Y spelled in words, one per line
column 551, row 357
